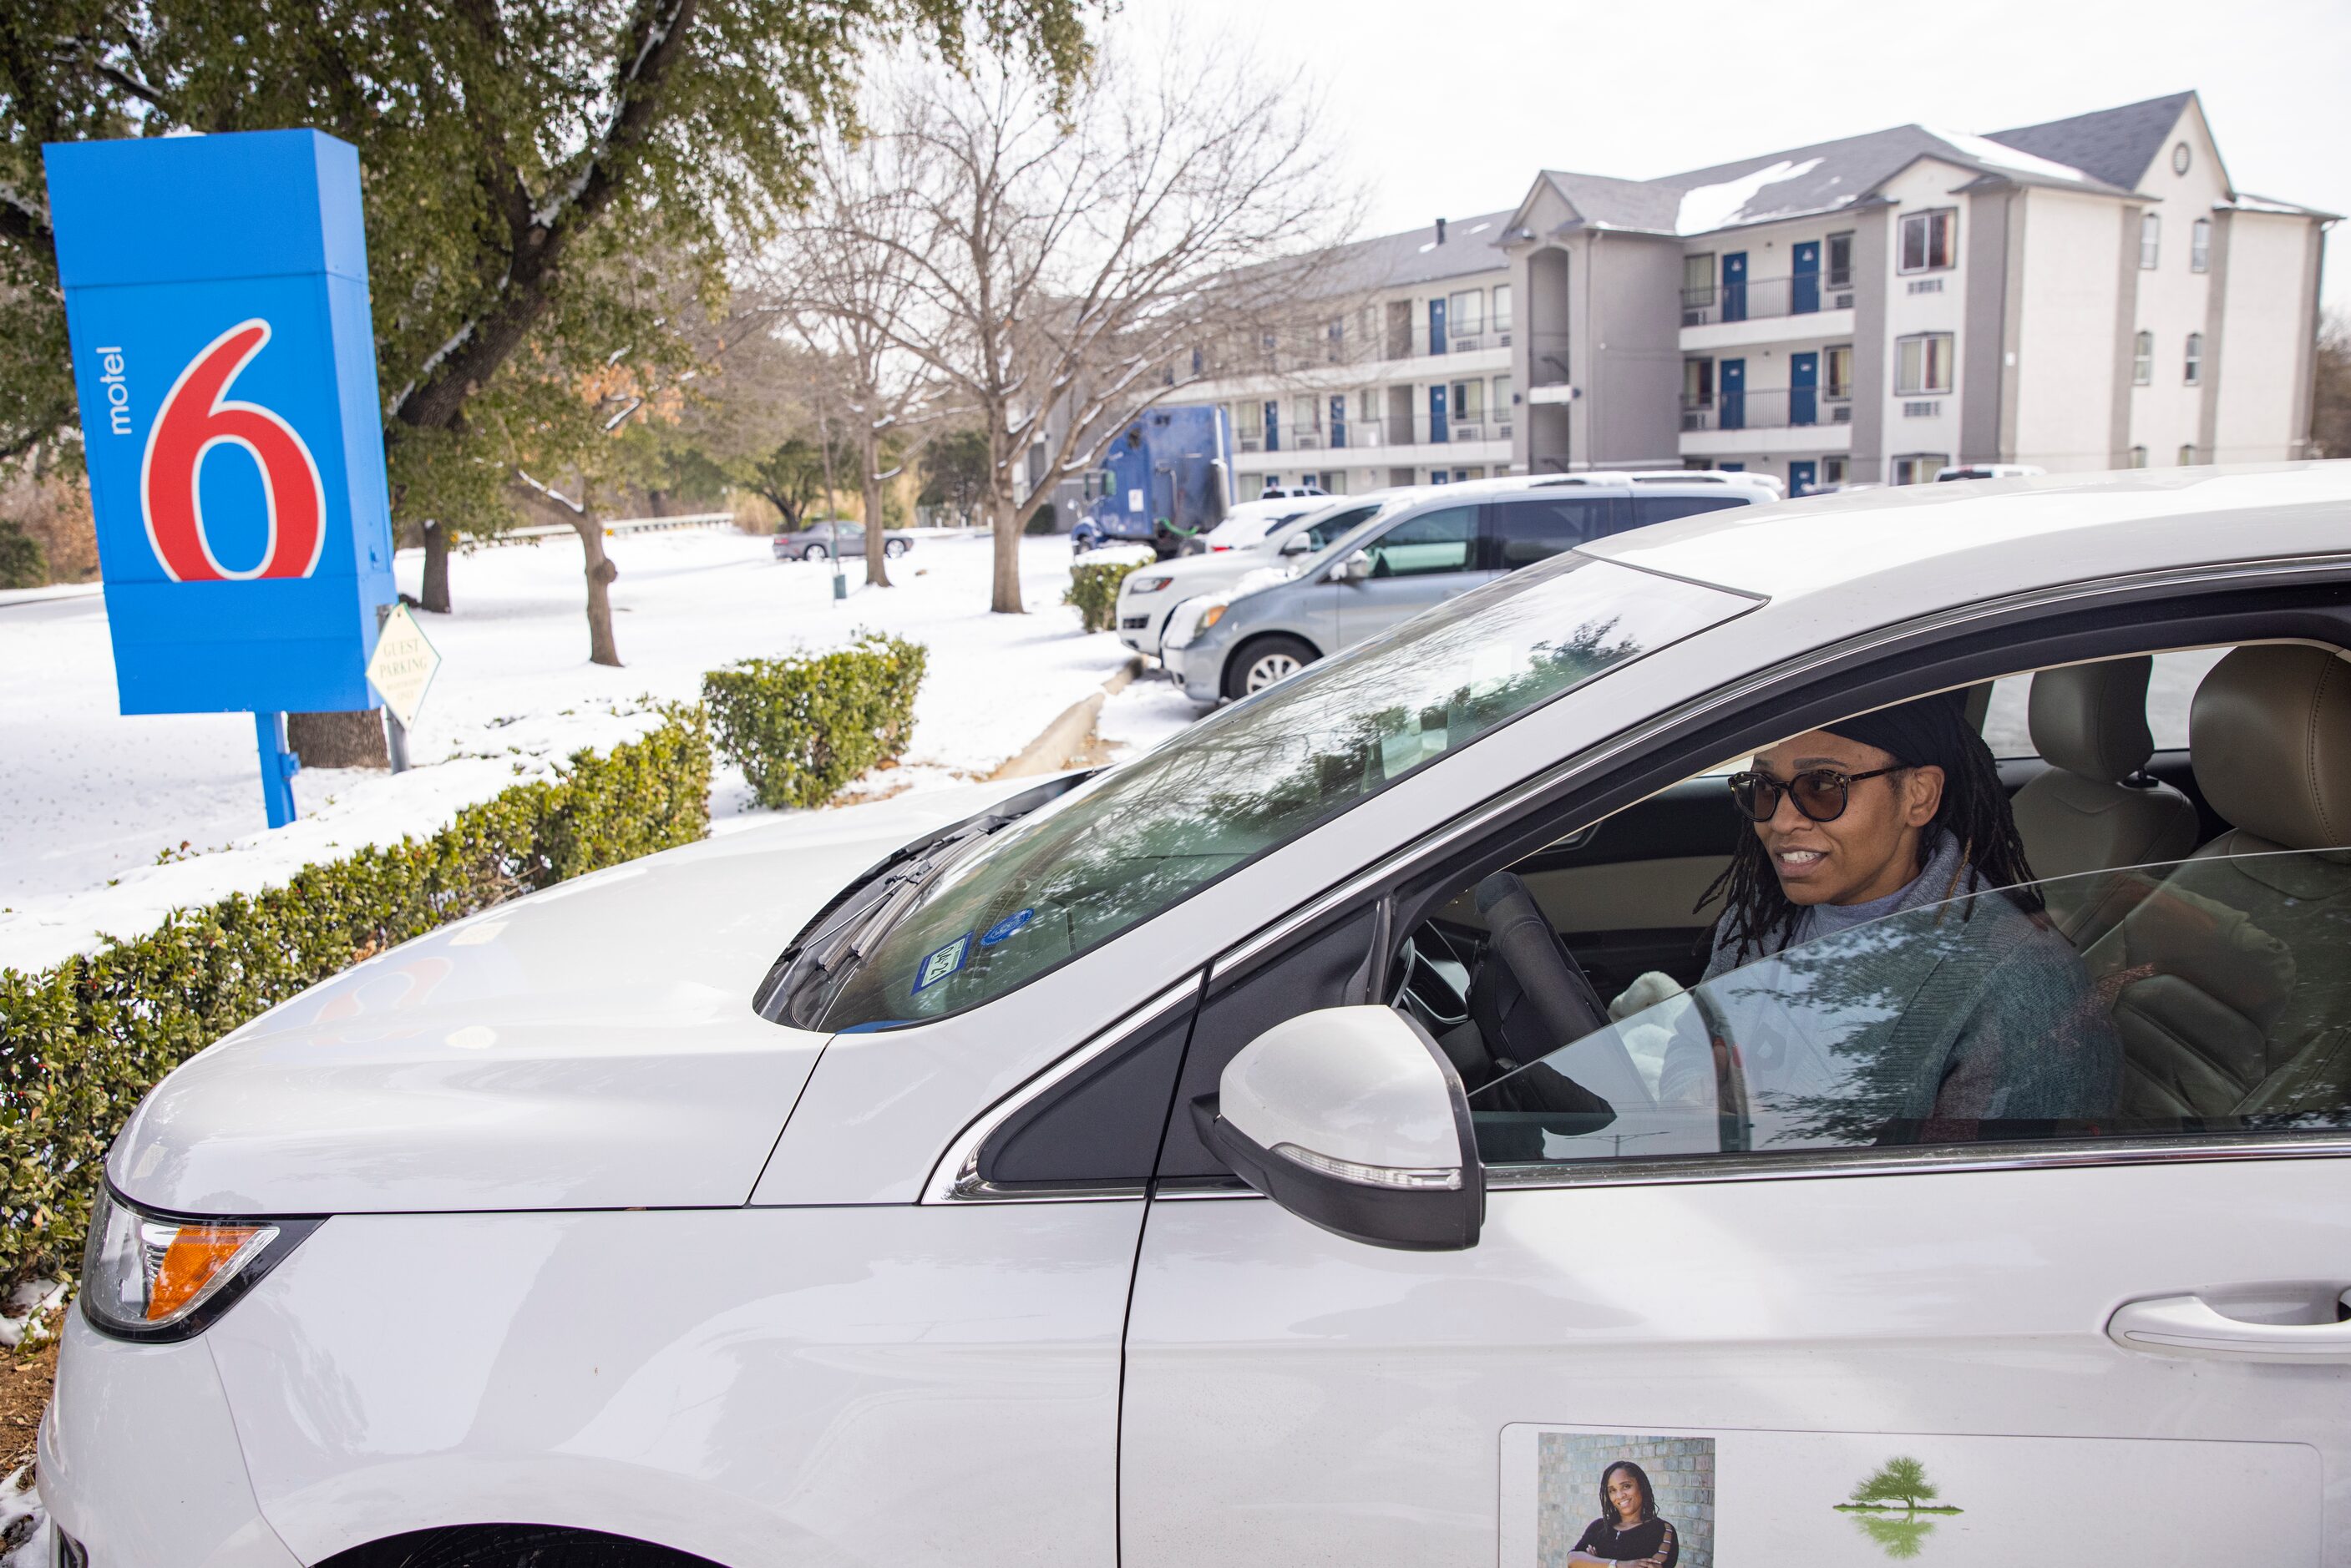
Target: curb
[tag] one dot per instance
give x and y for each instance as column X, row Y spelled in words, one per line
column 1051, row 752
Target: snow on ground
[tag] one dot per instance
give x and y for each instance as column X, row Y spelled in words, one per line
column 92, row 799
column 1147, row 712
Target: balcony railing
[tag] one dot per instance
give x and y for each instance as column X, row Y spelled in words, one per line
column 1762, row 298
column 1421, row 430
column 1779, row 408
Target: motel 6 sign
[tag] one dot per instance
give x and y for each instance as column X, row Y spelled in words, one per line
column 217, row 304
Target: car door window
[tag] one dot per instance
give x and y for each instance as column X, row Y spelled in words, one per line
column 1648, row 509
column 1531, row 528
column 1438, row 541
column 2220, row 1004
column 1320, row 535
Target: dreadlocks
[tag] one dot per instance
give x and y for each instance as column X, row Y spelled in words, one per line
column 1932, row 731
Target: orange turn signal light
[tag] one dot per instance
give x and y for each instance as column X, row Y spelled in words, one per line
column 198, row 1255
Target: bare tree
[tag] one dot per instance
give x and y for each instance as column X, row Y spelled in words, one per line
column 840, row 276
column 1063, row 251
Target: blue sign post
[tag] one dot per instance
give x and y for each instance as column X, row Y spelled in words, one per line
column 217, row 300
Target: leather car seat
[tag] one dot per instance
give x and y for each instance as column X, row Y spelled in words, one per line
column 2093, row 811
column 2229, row 974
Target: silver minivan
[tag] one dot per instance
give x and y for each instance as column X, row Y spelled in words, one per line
column 1449, row 539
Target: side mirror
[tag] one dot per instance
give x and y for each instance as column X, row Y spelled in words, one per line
column 1352, row 1119
column 1297, row 545
column 1354, row 569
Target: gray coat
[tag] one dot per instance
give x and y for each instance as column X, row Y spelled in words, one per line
column 1916, row 1025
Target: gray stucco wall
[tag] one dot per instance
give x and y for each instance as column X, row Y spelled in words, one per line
column 1984, row 342
column 1631, row 362
column 1870, row 272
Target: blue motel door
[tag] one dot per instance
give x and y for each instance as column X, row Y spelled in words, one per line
column 1338, row 419
column 1436, row 327
column 1804, row 287
column 1801, row 476
column 1730, row 394
column 1734, row 286
column 1803, row 388
column 1273, row 426
column 1437, row 413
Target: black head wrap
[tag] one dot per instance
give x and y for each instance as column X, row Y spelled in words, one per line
column 1931, row 731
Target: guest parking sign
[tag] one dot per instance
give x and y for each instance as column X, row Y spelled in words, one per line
column 217, row 307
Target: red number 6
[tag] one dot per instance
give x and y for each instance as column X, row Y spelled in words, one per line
column 195, row 418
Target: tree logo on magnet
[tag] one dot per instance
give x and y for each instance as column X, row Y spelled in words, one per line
column 1885, row 1506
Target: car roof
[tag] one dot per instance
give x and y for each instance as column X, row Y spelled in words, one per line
column 1913, row 548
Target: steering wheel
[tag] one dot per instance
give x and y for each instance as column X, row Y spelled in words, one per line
column 1556, row 987
column 1730, row 1074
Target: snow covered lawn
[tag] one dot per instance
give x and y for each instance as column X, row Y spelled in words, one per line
column 90, row 799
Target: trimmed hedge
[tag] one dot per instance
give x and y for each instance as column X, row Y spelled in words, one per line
column 1093, row 588
column 800, row 728
column 80, row 1043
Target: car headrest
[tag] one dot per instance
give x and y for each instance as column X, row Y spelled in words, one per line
column 2091, row 719
column 2270, row 736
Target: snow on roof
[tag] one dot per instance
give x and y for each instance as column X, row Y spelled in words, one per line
column 1984, row 149
column 1709, row 207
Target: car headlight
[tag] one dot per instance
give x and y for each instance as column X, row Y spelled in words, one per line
column 154, row 1277
column 1210, row 616
column 1148, row 585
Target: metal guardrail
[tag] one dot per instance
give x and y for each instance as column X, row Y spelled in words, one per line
column 1777, row 408
column 1763, row 299
column 1354, row 435
column 619, row 525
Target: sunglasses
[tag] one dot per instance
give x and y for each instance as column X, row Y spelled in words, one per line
column 1821, row 794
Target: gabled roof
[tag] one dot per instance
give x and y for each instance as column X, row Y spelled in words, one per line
column 1801, row 181
column 2117, row 145
column 1470, row 246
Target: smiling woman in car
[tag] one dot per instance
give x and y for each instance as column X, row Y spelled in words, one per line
column 1893, row 811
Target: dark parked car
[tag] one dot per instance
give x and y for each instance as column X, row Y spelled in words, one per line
column 815, row 542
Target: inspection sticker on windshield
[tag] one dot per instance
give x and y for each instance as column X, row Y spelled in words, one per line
column 942, row 964
column 1008, row 926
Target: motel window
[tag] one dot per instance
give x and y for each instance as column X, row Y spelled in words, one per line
column 1697, row 383
column 1502, row 307
column 1840, row 260
column 1697, row 279
column 1466, row 313
column 1836, row 373
column 2200, row 245
column 2188, row 456
column 2138, row 457
column 1930, row 240
column 1501, row 397
column 1922, row 363
column 2150, row 241
column 1470, row 401
column 2143, row 359
column 2192, row 370
column 1832, row 470
column 1920, row 467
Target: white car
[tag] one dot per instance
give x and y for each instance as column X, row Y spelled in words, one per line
column 1252, row 525
column 739, row 1204
column 1147, row 598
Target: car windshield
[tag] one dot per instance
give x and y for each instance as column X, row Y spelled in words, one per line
column 1144, row 836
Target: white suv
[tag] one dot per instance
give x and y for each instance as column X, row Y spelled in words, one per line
column 1147, row 598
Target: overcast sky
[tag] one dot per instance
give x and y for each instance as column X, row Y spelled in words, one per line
column 1450, row 108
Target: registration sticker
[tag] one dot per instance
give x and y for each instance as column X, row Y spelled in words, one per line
column 942, row 964
column 1008, row 926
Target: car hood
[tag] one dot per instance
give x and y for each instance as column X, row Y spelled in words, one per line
column 589, row 1046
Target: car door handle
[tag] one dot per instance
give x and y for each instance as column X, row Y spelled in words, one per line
column 2187, row 1326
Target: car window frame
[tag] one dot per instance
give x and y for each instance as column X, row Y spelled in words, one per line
column 2295, row 600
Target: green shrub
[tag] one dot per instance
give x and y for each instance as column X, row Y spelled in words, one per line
column 22, row 563
column 1093, row 588
column 1046, row 519
column 80, row 1043
column 800, row 728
